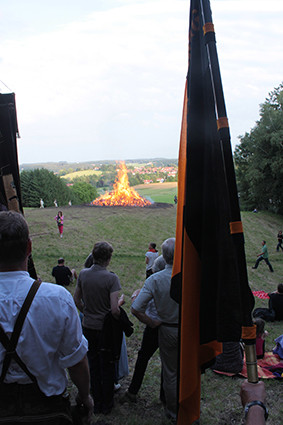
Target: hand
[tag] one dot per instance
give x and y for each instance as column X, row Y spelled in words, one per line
column 134, row 295
column 88, row 405
column 154, row 323
column 250, row 392
column 121, row 300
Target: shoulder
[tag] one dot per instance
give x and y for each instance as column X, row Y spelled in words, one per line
column 113, row 277
column 52, row 291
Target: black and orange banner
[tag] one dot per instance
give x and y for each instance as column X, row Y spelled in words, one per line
column 10, row 188
column 209, row 273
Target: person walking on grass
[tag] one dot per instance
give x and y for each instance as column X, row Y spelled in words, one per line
column 60, row 222
column 263, row 256
column 280, row 239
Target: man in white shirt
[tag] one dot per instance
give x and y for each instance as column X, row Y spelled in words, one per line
column 50, row 339
column 157, row 287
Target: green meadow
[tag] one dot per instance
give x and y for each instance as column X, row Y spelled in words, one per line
column 81, row 173
column 158, row 192
column 130, row 230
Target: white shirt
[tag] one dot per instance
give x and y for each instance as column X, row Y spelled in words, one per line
column 157, row 287
column 51, row 338
column 151, row 257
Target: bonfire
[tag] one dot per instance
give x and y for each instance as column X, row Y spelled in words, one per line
column 122, row 194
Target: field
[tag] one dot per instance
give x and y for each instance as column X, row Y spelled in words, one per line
column 129, row 230
column 158, row 192
column 81, row 173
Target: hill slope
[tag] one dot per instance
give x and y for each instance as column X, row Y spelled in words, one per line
column 130, row 230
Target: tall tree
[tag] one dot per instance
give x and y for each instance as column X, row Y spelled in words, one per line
column 41, row 183
column 83, row 192
column 259, row 158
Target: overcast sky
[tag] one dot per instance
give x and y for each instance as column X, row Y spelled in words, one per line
column 104, row 79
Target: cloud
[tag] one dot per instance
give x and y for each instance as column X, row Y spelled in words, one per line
column 109, row 84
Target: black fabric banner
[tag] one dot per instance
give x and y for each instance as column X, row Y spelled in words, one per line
column 10, row 187
column 209, row 272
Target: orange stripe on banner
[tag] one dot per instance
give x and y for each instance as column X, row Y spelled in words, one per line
column 236, row 227
column 181, row 189
column 189, row 390
column 208, row 27
column 192, row 355
column 222, row 122
column 249, row 332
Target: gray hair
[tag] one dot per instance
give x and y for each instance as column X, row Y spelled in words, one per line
column 168, row 247
column 159, row 264
column 14, row 236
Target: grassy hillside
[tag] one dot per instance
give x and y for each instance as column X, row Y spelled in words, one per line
column 158, row 192
column 81, row 173
column 129, row 230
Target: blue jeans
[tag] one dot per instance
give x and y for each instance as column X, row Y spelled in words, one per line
column 266, row 260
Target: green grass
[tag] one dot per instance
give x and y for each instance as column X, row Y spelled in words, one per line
column 130, row 230
column 158, row 192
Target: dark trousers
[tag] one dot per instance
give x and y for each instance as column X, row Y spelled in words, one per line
column 279, row 245
column 148, row 347
column 102, row 371
column 266, row 260
column 26, row 404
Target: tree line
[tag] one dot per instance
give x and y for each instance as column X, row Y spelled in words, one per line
column 44, row 184
column 259, row 158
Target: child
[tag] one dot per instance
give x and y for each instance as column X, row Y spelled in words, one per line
column 60, row 221
column 260, row 337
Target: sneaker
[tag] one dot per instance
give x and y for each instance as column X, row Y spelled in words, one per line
column 127, row 396
column 117, row 387
column 253, row 267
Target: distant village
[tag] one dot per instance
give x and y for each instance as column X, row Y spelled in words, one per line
column 149, row 173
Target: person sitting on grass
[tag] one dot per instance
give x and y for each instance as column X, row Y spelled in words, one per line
column 260, row 337
column 63, row 275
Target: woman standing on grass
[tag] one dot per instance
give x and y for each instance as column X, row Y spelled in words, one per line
column 60, row 221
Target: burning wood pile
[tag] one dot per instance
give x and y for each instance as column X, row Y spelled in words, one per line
column 122, row 194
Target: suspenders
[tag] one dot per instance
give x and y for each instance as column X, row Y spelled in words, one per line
column 10, row 343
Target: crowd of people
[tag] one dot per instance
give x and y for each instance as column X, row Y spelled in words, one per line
column 42, row 318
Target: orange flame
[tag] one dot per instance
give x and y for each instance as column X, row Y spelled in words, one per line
column 122, row 194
